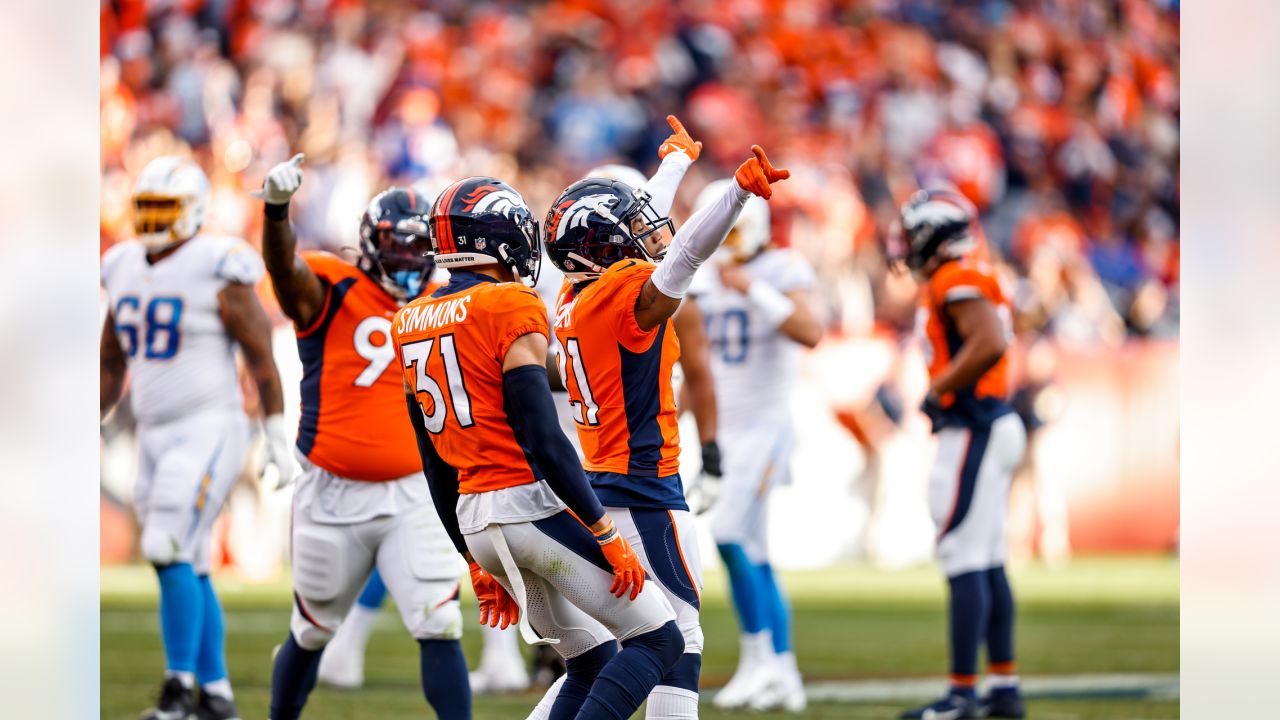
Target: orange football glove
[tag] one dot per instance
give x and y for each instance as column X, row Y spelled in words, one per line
column 756, row 174
column 496, row 604
column 679, row 140
column 627, row 571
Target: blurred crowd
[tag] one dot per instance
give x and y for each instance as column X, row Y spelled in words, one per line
column 1057, row 118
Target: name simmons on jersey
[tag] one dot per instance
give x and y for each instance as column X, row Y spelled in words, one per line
column 419, row 318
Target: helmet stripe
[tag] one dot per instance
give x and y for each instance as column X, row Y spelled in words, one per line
column 444, row 225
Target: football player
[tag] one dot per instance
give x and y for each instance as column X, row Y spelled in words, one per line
column 965, row 324
column 180, row 303
column 613, row 320
column 362, row 500
column 758, row 315
column 677, row 152
column 502, row 473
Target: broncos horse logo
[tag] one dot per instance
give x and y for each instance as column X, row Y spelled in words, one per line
column 490, row 198
column 577, row 213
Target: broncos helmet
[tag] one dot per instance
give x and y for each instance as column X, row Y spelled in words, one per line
column 484, row 221
column 936, row 222
column 597, row 222
column 395, row 241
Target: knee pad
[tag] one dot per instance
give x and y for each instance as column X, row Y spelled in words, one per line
column 160, row 547
column 307, row 633
column 444, row 622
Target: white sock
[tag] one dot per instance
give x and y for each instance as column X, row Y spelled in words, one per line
column 359, row 626
column 1003, row 681
column 542, row 710
column 221, row 688
column 671, row 703
column 788, row 662
column 500, row 646
column 188, row 679
column 756, row 647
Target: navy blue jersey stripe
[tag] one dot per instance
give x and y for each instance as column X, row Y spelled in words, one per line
column 978, row 438
column 311, row 352
column 666, row 559
column 641, row 396
column 566, row 530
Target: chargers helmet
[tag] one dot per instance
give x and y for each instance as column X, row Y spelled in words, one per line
column 597, row 222
column 937, row 222
column 170, row 202
column 751, row 232
column 395, row 242
column 484, row 221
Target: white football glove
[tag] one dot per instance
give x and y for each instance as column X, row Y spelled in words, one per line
column 281, row 182
column 279, row 454
column 702, row 493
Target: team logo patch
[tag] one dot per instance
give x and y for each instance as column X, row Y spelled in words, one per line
column 490, row 198
column 576, row 214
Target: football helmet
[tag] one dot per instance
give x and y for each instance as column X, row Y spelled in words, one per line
column 170, row 202
column 750, row 233
column 936, row 222
column 597, row 222
column 395, row 241
column 484, row 221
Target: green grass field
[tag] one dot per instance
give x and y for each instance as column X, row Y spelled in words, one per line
column 1099, row 616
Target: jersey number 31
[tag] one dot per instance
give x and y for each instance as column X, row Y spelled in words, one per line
column 416, row 355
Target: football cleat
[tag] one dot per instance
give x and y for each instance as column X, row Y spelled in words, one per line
column 499, row 677
column 176, row 702
column 951, row 707
column 216, row 707
column 1005, row 702
column 785, row 692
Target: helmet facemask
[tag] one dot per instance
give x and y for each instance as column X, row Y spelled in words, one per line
column 163, row 220
column 397, row 254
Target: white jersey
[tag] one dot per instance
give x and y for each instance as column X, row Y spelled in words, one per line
column 180, row 356
column 752, row 362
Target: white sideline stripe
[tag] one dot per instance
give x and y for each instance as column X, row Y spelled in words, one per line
column 1154, row 686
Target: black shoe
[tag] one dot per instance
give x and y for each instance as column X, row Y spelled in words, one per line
column 216, row 707
column 176, row 702
column 1005, row 703
column 951, row 707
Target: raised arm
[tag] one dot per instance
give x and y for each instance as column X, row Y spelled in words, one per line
column 699, row 237
column 678, row 152
column 299, row 291
column 790, row 312
column 113, row 367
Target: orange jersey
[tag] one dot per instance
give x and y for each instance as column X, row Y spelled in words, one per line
column 451, row 345
column 619, row 382
column 353, row 418
column 964, row 279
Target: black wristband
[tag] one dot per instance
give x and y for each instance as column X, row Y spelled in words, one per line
column 276, row 212
column 711, row 458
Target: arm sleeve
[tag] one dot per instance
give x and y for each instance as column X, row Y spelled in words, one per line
column 441, row 477
column 664, row 183
column 697, row 239
column 534, row 414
